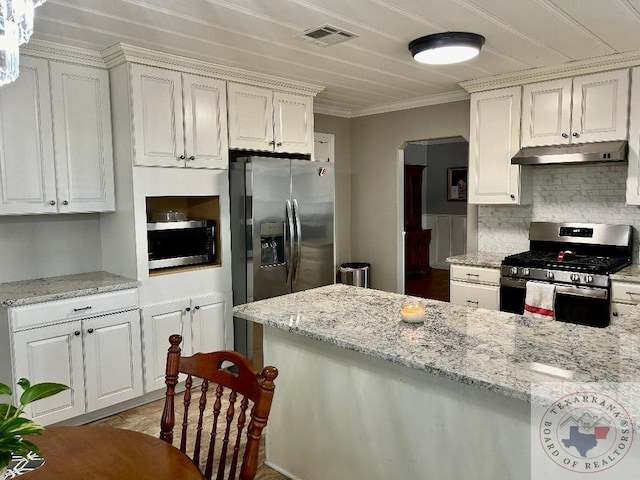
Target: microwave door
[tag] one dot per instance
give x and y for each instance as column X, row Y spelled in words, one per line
column 271, row 187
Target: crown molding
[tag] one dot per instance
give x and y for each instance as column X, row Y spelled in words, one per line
column 122, row 52
column 65, row 53
column 569, row 69
column 456, row 96
column 333, row 111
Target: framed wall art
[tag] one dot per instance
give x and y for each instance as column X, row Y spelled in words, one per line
column 457, row 183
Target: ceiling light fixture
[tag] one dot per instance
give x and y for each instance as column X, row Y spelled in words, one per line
column 445, row 48
column 16, row 27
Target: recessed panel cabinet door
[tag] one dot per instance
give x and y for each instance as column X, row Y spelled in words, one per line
column 208, row 319
column 113, row 360
column 546, row 113
column 250, row 117
column 82, row 138
column 157, row 116
column 293, row 127
column 52, row 354
column 205, row 122
column 27, row 171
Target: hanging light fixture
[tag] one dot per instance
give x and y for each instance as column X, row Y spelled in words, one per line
column 445, row 48
column 16, row 27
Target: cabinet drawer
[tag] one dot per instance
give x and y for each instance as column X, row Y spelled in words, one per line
column 479, row 296
column 620, row 309
column 475, row 274
column 29, row 316
column 625, row 292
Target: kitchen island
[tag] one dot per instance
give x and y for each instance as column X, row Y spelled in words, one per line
column 362, row 394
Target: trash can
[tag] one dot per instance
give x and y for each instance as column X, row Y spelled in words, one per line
column 355, row 273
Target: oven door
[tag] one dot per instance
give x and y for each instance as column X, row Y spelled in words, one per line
column 512, row 294
column 582, row 305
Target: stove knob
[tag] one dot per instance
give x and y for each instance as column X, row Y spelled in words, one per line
column 588, row 279
column 525, row 272
column 514, row 270
column 575, row 277
column 549, row 274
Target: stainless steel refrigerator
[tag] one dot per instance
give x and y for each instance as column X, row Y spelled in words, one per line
column 282, row 214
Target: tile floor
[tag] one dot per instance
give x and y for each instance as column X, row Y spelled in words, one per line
column 146, row 419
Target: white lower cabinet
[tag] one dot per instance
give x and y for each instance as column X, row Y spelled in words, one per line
column 91, row 344
column 477, row 287
column 202, row 322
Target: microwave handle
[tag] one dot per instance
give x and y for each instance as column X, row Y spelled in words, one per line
column 288, row 241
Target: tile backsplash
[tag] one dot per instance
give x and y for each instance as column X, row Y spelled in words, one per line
column 561, row 193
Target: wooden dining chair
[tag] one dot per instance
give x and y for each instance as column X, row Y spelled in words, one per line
column 224, row 376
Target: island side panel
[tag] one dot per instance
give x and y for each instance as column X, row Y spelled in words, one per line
column 342, row 414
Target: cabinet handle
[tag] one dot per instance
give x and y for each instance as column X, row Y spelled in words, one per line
column 90, row 330
column 197, row 307
column 192, row 158
column 65, row 202
column 52, row 202
column 181, row 157
column 82, row 309
column 473, row 302
column 188, row 309
column 279, row 144
column 473, row 275
column 575, row 134
column 631, row 293
column 513, row 197
column 77, row 333
column 565, row 135
column 272, row 142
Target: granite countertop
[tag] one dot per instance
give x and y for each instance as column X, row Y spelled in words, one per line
column 57, row 288
column 480, row 259
column 627, row 274
column 498, row 351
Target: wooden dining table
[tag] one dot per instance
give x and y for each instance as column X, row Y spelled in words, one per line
column 97, row 452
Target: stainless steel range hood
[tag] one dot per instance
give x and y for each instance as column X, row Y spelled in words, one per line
column 599, row 152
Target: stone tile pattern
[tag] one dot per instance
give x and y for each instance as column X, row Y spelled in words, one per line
column 492, row 350
column 627, row 274
column 480, row 259
column 38, row 290
column 561, row 193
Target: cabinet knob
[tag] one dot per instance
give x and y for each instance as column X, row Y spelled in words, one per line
column 77, row 333
column 52, row 202
column 192, row 158
column 279, row 144
column 272, row 142
column 197, row 307
column 575, row 134
column 565, row 135
column 90, row 330
column 181, row 157
column 513, row 197
column 188, row 309
column 615, row 314
column 65, row 202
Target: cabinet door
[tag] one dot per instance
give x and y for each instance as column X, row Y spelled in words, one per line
column 293, row 123
column 494, row 139
column 208, row 320
column 205, row 122
column 159, row 322
column 27, row 172
column 112, row 358
column 52, row 354
column 633, row 175
column 475, row 296
column 546, row 113
column 600, row 107
column 82, row 138
column 250, row 117
column 157, row 116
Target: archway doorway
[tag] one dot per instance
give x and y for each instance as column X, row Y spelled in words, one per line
column 435, row 213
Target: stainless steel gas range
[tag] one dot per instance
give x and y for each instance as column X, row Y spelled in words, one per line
column 578, row 259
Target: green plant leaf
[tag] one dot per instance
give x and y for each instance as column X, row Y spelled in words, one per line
column 5, row 390
column 40, row 390
column 18, row 446
column 18, row 426
column 5, row 458
column 24, row 383
column 7, row 410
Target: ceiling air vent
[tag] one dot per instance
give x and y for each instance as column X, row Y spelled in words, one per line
column 327, row 35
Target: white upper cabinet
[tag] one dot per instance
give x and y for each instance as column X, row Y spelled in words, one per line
column 494, row 139
column 56, row 153
column 633, row 176
column 589, row 108
column 264, row 120
column 180, row 120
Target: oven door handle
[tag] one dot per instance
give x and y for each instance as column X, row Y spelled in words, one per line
column 582, row 292
column 512, row 282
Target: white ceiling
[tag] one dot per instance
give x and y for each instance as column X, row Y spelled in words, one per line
column 372, row 71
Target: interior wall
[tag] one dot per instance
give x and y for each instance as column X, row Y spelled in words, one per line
column 375, row 140
column 441, row 157
column 38, row 246
column 341, row 128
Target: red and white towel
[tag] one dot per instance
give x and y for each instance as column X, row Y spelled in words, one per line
column 539, row 300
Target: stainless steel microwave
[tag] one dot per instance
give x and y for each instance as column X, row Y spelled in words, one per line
column 188, row 242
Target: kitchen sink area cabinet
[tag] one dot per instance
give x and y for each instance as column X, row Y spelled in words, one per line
column 584, row 109
column 56, row 151
column 266, row 120
column 200, row 320
column 180, row 120
column 90, row 343
column 494, row 139
column 477, row 287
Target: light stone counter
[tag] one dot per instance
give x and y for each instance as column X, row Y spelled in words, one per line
column 57, row 288
column 480, row 259
column 627, row 274
column 497, row 351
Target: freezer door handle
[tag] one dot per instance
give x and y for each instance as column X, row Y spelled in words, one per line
column 288, row 241
column 298, row 237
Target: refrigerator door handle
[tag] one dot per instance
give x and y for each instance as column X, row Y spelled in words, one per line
column 298, row 237
column 288, row 242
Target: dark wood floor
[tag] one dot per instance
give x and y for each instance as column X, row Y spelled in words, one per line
column 433, row 285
